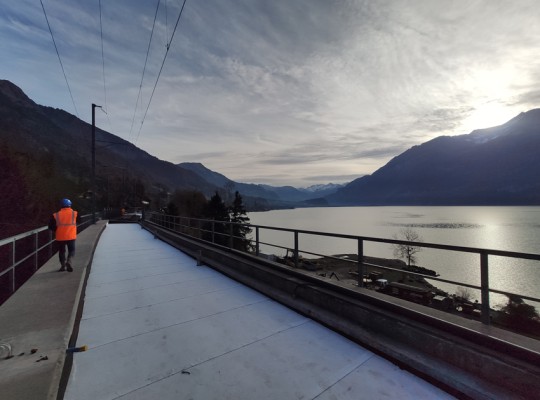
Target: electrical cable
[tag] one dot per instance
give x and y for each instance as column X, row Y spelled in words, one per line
column 144, row 69
column 59, row 59
column 161, row 69
column 103, row 65
column 102, row 55
column 166, row 20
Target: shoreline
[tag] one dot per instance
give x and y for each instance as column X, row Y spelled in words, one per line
column 345, row 268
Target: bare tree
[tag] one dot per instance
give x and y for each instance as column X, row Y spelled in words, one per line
column 464, row 293
column 407, row 251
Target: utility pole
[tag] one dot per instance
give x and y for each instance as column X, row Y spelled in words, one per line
column 94, row 162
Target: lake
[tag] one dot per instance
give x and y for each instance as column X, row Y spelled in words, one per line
column 499, row 228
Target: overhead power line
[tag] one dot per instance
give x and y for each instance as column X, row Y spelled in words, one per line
column 161, row 69
column 103, row 65
column 144, row 69
column 59, row 59
column 102, row 54
column 166, row 21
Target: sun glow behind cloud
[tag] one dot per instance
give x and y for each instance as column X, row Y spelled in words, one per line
column 492, row 90
column 487, row 115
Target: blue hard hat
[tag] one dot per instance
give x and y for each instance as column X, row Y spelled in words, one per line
column 65, row 203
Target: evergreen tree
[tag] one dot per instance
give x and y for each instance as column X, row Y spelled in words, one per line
column 216, row 210
column 172, row 209
column 238, row 216
column 190, row 203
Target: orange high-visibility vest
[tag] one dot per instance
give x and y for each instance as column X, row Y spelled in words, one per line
column 66, row 224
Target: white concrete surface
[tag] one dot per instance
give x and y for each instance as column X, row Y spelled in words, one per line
column 160, row 327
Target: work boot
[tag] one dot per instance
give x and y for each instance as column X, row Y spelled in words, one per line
column 62, row 267
column 68, row 265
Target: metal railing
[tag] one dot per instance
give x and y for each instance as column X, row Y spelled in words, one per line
column 223, row 234
column 23, row 254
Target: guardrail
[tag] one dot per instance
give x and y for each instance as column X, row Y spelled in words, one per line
column 22, row 255
column 225, row 234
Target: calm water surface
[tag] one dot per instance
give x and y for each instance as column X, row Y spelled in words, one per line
column 500, row 228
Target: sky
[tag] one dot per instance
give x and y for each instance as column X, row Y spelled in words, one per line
column 278, row 92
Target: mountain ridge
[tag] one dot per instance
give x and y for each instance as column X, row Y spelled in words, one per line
column 289, row 194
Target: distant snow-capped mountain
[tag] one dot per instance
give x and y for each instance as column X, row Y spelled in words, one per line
column 329, row 187
column 272, row 193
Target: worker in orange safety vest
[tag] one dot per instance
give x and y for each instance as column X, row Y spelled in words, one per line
column 64, row 224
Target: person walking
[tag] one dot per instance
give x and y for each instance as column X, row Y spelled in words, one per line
column 64, row 224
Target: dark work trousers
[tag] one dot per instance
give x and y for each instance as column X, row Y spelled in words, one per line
column 62, row 244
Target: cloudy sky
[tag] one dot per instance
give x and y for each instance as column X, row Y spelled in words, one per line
column 280, row 92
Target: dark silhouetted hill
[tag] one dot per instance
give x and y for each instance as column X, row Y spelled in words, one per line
column 495, row 166
column 46, row 155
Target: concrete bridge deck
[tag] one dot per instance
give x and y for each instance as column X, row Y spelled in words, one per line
column 159, row 326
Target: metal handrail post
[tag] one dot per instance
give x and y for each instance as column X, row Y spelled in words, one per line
column 13, row 265
column 230, row 236
column 484, row 284
column 50, row 244
column 295, row 249
column 36, row 247
column 360, row 263
column 257, row 241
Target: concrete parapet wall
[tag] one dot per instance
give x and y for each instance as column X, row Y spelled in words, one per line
column 467, row 358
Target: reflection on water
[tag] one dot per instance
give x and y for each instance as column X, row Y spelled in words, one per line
column 439, row 225
column 498, row 228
